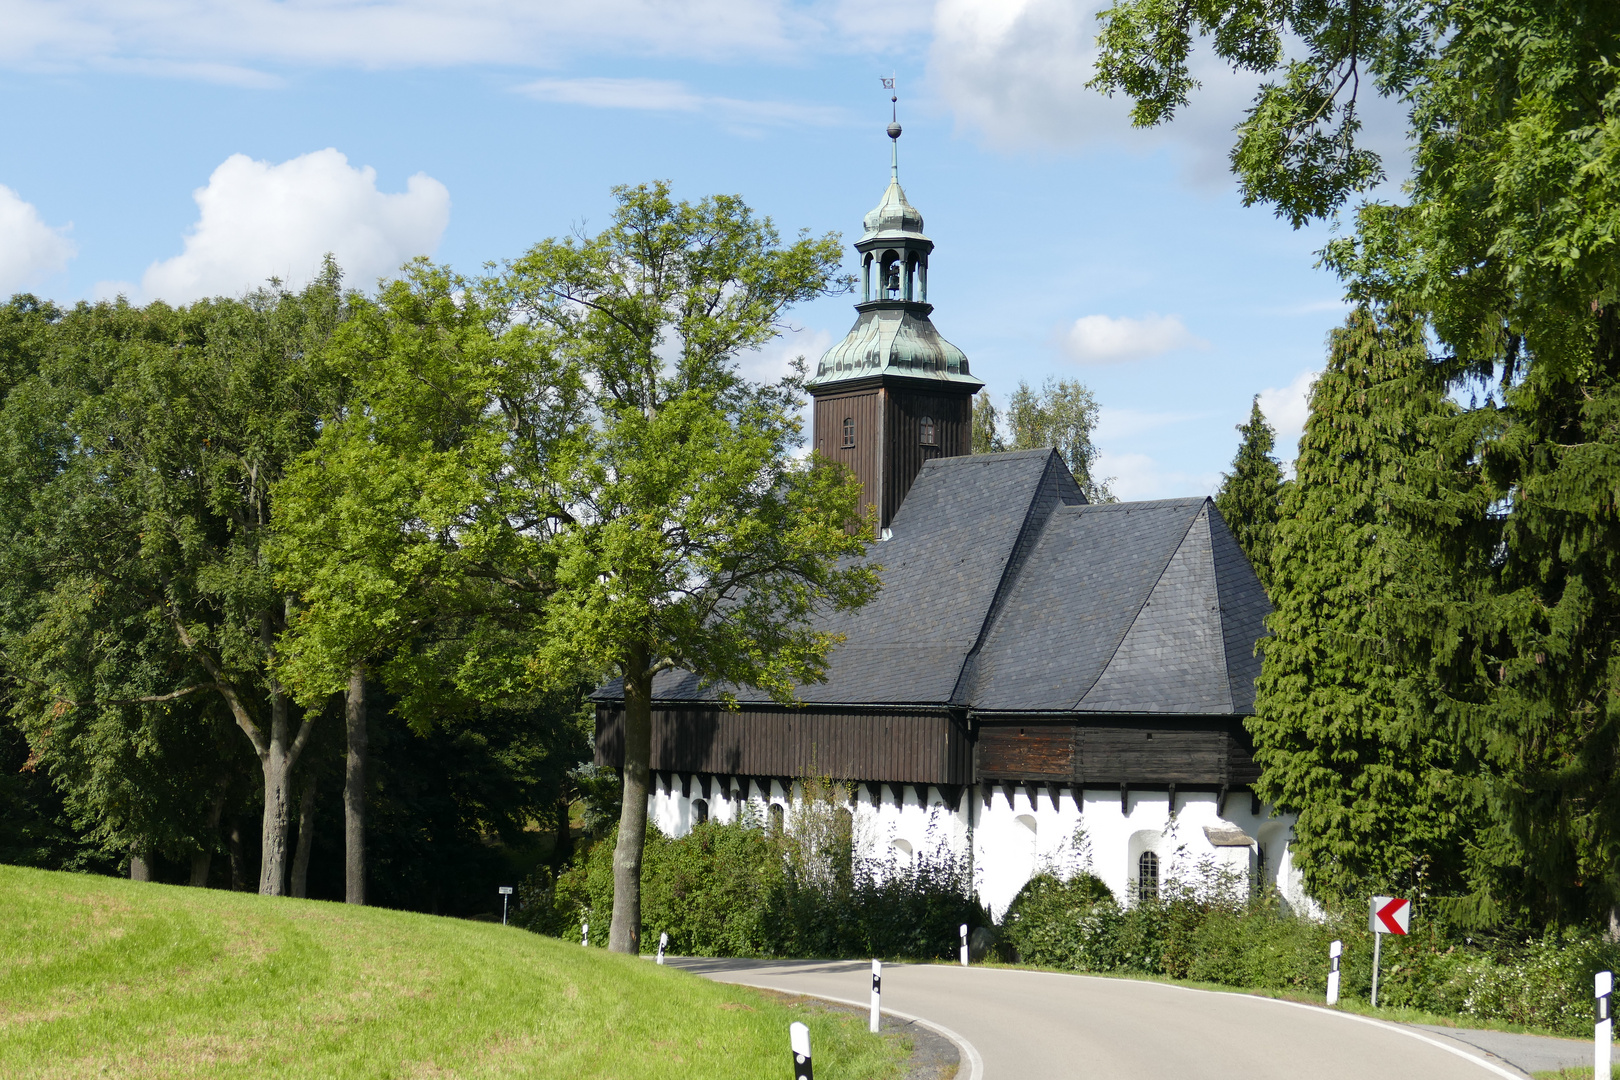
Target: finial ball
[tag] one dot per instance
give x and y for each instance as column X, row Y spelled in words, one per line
column 894, row 131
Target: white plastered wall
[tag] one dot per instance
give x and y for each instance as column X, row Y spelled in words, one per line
column 1011, row 841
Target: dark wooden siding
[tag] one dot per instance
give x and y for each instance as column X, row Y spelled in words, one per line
column 1192, row 752
column 904, row 410
column 866, row 409
column 900, row 748
column 1027, row 751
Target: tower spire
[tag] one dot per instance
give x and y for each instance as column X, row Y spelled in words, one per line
column 894, row 128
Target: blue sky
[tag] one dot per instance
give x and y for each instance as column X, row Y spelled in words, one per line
column 175, row 148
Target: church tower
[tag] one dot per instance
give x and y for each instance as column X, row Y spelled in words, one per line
column 893, row 393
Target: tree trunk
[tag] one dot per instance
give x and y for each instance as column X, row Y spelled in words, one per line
column 306, row 836
column 354, row 790
column 238, row 869
column 624, row 935
column 140, row 867
column 203, row 860
column 277, row 762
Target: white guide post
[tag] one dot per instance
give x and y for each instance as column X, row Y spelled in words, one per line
column 877, row 992
column 663, row 941
column 799, row 1038
column 584, row 933
column 506, row 891
column 964, row 945
column 1603, row 1028
column 1334, row 951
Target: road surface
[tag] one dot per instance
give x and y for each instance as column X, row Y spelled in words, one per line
column 1026, row 1024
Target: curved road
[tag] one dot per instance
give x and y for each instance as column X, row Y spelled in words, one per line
column 1042, row 1024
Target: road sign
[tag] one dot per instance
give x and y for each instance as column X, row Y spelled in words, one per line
column 506, row 890
column 1390, row 915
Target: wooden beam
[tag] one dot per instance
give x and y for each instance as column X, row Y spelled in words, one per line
column 875, row 791
column 952, row 794
column 1052, row 793
column 1172, row 800
column 1077, row 792
column 1220, row 802
column 1124, row 799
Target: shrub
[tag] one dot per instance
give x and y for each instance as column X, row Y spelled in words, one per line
column 740, row 889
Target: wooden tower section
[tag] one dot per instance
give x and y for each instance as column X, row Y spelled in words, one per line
column 893, row 393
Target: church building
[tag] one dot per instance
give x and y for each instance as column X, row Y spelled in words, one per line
column 1040, row 683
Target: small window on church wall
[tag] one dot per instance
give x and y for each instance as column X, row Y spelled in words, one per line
column 930, row 437
column 775, row 818
column 849, row 431
column 700, row 811
column 1147, row 876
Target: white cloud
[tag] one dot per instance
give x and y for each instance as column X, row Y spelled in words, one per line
column 1114, row 424
column 259, row 220
column 660, row 95
column 1103, row 339
column 1139, row 476
column 30, row 250
column 396, row 33
column 1016, row 72
column 1286, row 409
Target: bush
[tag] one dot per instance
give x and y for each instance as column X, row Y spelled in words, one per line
column 1202, row 929
column 740, row 889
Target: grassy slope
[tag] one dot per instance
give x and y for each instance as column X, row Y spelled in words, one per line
column 106, row 977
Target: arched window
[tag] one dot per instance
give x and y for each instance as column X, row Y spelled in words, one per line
column 849, row 431
column 776, row 817
column 1147, row 876
column 930, row 435
column 700, row 811
column 1260, row 866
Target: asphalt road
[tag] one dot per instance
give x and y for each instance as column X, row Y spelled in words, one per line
column 1011, row 1023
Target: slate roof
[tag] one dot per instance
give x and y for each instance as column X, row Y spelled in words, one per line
column 1003, row 591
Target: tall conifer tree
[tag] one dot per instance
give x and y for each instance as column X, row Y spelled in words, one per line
column 1342, row 727
column 1251, row 494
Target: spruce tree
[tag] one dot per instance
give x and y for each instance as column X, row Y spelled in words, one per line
column 1341, row 727
column 1251, row 494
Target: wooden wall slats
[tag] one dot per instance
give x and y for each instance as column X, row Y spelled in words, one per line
column 920, row 748
column 889, row 747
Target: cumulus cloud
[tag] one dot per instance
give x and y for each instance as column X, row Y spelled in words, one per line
column 1286, row 408
column 661, row 95
column 258, row 220
column 1140, row 476
column 29, row 249
column 1103, row 339
column 1015, row 71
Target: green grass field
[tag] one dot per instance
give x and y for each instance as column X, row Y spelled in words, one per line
column 102, row 977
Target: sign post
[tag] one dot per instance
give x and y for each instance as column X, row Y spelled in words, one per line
column 877, row 991
column 964, row 945
column 1603, row 1026
column 1334, row 951
column 799, row 1038
column 584, row 933
column 663, row 940
column 506, row 891
column 1390, row 915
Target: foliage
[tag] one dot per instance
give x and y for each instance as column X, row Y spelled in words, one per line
column 139, row 458
column 96, row 965
column 1341, row 726
column 1201, row 931
column 1250, row 497
column 739, row 888
column 1062, row 416
column 1504, row 245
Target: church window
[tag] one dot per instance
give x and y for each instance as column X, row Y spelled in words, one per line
column 776, row 818
column 1147, row 876
column 930, row 436
column 700, row 811
column 849, row 431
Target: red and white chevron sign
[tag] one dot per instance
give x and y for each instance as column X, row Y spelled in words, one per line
column 1390, row 915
